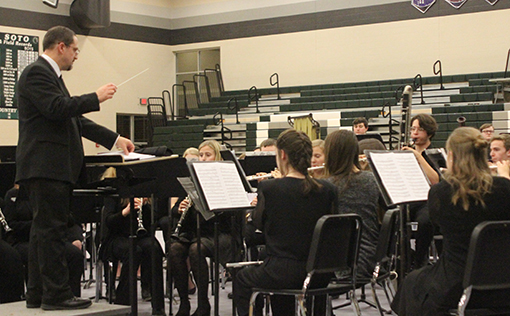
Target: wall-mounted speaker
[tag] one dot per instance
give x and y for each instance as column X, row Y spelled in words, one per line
column 91, row 14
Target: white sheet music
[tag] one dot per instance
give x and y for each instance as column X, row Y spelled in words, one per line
column 401, row 176
column 132, row 155
column 221, row 185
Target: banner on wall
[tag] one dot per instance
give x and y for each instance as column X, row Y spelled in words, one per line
column 456, row 3
column 423, row 5
column 492, row 2
column 16, row 52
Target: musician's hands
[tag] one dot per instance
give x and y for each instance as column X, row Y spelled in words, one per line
column 125, row 144
column 415, row 152
column 138, row 205
column 276, row 173
column 106, row 92
column 503, row 168
column 254, row 202
column 260, row 174
column 185, row 204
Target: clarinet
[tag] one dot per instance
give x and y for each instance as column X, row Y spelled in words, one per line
column 178, row 228
column 140, row 231
column 4, row 222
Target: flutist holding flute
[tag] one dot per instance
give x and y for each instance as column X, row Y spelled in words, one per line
column 116, row 247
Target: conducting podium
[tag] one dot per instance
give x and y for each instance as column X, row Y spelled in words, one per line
column 138, row 176
column 401, row 181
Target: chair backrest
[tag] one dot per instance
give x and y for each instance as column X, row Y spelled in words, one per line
column 335, row 245
column 487, row 266
column 387, row 236
column 156, row 112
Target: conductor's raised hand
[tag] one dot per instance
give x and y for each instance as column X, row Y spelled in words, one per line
column 125, row 144
column 106, row 92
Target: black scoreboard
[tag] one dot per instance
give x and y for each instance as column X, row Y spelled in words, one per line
column 16, row 52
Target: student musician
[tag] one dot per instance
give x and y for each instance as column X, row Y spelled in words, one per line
column 185, row 245
column 360, row 126
column 357, row 192
column 467, row 196
column 287, row 211
column 116, row 247
column 423, row 128
column 317, row 158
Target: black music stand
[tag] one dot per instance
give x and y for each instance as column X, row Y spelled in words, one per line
column 401, row 181
column 211, row 180
column 155, row 178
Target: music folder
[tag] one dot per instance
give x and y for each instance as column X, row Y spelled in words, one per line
column 219, row 185
column 399, row 176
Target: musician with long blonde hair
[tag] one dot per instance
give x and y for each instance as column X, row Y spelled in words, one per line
column 467, row 196
column 185, row 245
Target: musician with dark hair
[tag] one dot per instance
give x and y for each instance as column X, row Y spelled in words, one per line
column 467, row 196
column 360, row 126
column 423, row 128
column 286, row 212
column 115, row 247
column 357, row 192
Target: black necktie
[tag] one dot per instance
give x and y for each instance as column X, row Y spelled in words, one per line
column 63, row 86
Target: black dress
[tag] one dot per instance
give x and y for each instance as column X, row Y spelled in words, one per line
column 433, row 290
column 287, row 218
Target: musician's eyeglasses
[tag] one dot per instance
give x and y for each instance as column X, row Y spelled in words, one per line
column 488, row 131
column 419, row 129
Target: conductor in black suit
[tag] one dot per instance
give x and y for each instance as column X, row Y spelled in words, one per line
column 49, row 161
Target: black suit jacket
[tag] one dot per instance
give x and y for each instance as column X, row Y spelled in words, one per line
column 51, row 126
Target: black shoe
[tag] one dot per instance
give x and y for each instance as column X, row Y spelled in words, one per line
column 204, row 310
column 33, row 304
column 184, row 308
column 146, row 295
column 72, row 303
column 158, row 312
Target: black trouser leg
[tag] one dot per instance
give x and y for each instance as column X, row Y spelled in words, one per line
column 48, row 274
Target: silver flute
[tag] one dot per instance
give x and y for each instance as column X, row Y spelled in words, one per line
column 4, row 222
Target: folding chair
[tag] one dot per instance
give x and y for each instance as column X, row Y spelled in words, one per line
column 385, row 255
column 334, row 249
column 487, row 273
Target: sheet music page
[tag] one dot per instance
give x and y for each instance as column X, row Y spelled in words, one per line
column 130, row 157
column 221, row 185
column 401, row 175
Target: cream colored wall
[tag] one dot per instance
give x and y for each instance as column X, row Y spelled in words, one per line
column 466, row 43
column 105, row 60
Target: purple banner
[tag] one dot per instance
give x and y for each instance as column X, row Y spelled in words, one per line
column 422, row 5
column 492, row 2
column 456, row 3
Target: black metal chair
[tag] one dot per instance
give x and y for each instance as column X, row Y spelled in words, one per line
column 334, row 250
column 386, row 257
column 487, row 273
column 156, row 114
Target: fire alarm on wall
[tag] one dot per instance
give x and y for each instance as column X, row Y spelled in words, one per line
column 143, row 101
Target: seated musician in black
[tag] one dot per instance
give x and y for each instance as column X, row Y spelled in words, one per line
column 11, row 274
column 19, row 216
column 115, row 247
column 467, row 196
column 423, row 128
column 185, row 245
column 286, row 212
column 358, row 192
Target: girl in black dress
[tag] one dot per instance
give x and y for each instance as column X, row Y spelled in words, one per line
column 466, row 197
column 286, row 212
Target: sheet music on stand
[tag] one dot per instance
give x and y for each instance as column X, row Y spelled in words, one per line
column 190, row 189
column 219, row 185
column 399, row 176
